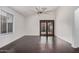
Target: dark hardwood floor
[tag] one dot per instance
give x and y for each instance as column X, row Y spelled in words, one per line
column 36, row 44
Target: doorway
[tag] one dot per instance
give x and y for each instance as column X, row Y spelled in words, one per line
column 46, row 27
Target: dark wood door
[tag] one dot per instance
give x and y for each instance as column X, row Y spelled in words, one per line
column 46, row 27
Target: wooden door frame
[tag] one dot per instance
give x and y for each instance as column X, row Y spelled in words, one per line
column 47, row 26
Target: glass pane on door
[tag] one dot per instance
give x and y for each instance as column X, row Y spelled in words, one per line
column 43, row 28
column 50, row 28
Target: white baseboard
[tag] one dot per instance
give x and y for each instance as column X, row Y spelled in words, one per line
column 63, row 39
column 10, row 42
column 75, row 46
column 31, row 35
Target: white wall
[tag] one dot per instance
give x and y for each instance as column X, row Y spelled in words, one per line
column 18, row 27
column 76, row 29
column 33, row 23
column 64, row 23
column 0, row 25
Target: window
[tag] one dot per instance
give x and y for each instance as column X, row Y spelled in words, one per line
column 6, row 22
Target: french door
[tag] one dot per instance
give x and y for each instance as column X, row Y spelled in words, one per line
column 46, row 27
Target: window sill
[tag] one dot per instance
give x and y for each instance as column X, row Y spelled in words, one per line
column 6, row 33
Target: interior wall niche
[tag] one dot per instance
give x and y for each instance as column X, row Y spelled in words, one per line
column 6, row 22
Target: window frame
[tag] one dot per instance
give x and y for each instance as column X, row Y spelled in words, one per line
column 7, row 13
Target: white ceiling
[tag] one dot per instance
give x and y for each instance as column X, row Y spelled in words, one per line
column 30, row 10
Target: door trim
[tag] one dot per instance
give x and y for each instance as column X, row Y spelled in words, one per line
column 47, row 26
